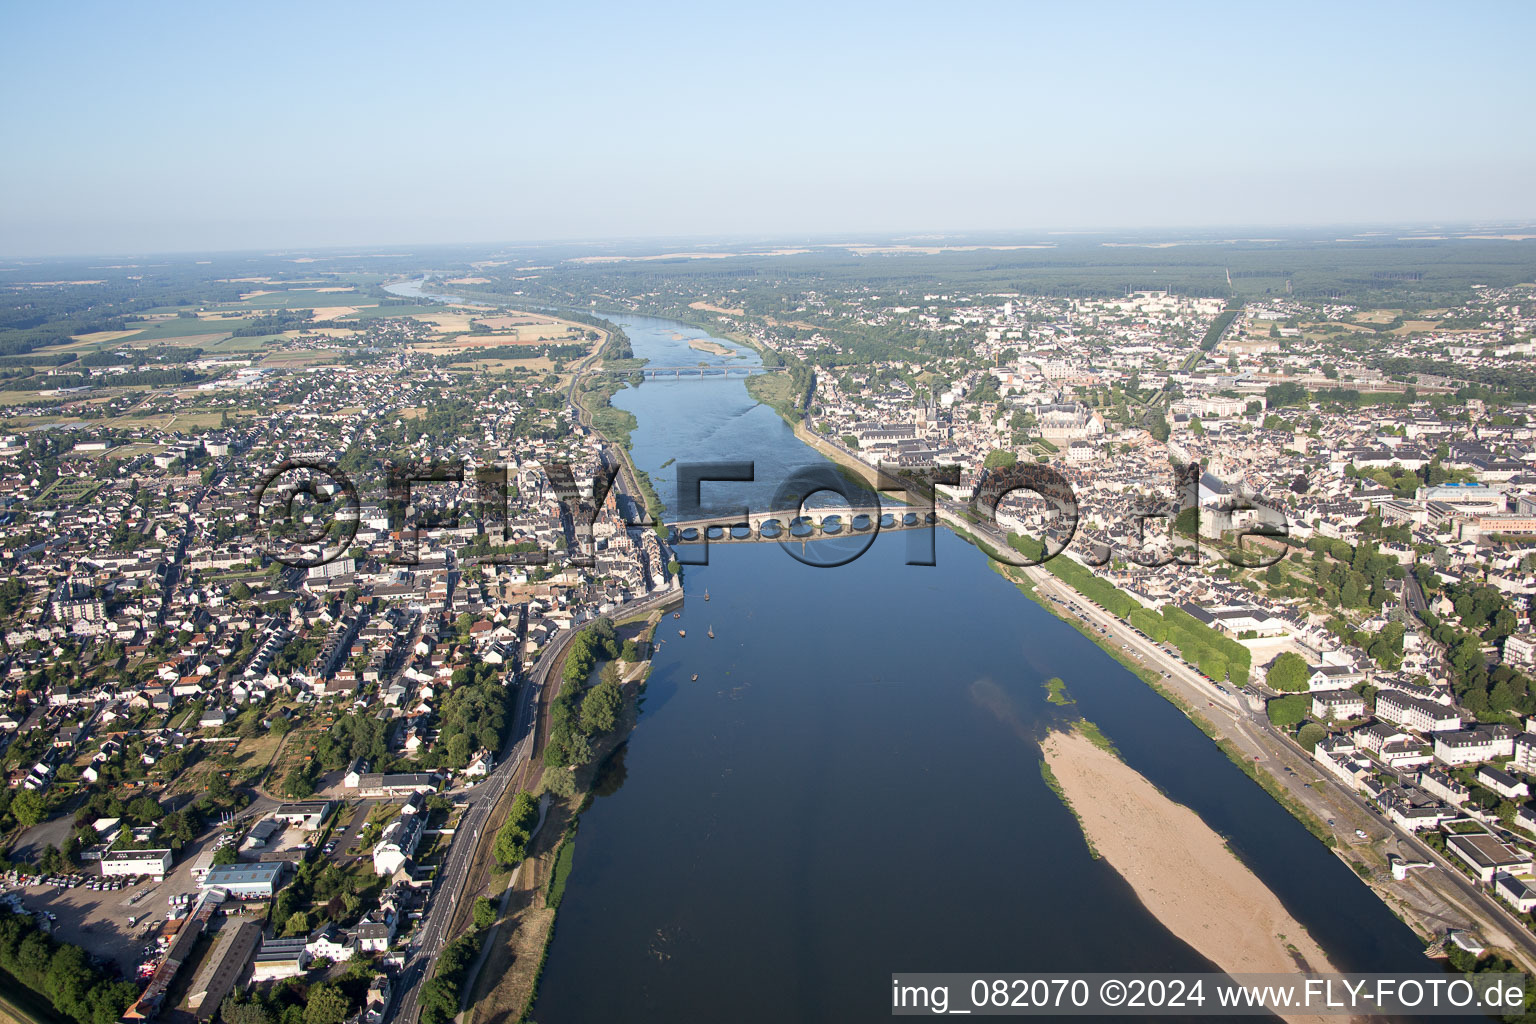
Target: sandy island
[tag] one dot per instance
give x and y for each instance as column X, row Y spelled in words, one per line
column 1180, row 869
column 714, row 348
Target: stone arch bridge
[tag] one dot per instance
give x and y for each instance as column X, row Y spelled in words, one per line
column 799, row 524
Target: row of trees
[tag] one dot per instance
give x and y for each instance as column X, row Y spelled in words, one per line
column 512, row 839
column 1217, row 655
column 581, row 712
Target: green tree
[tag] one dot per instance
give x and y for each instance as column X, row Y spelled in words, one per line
column 52, row 861
column 1310, row 735
column 233, row 1011
column 485, row 913
column 218, row 788
column 600, row 708
column 145, row 810
column 1288, row 673
column 326, row 1004
column 28, row 808
column 1285, row 712
column 511, row 844
column 559, row 782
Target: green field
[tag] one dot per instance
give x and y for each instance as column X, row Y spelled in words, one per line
column 246, row 344
column 180, row 328
column 375, row 312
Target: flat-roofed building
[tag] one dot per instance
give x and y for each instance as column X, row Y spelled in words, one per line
column 1520, row 649
column 127, row 863
column 1487, row 855
column 246, row 881
column 1525, row 752
column 223, row 968
column 306, row 814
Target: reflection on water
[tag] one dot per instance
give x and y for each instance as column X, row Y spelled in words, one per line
column 610, row 777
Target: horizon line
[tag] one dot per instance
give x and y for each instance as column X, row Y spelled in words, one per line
column 1187, row 234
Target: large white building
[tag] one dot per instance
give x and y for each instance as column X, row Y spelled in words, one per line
column 1415, row 712
column 1520, row 649
column 125, row 863
column 1467, row 746
column 400, row 838
column 1525, row 752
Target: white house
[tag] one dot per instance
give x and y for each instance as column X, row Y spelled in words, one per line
column 400, row 838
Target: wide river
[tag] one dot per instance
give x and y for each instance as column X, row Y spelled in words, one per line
column 852, row 786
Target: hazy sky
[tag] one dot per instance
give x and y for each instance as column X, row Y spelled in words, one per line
column 159, row 127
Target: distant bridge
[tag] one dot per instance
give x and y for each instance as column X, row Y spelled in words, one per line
column 697, row 371
column 708, row 371
column 797, row 524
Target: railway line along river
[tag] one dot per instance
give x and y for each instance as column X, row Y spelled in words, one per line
column 852, row 787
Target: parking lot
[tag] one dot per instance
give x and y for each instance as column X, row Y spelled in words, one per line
column 97, row 919
column 346, row 848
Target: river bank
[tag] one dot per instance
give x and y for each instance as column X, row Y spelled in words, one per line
column 507, row 982
column 1179, row 868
